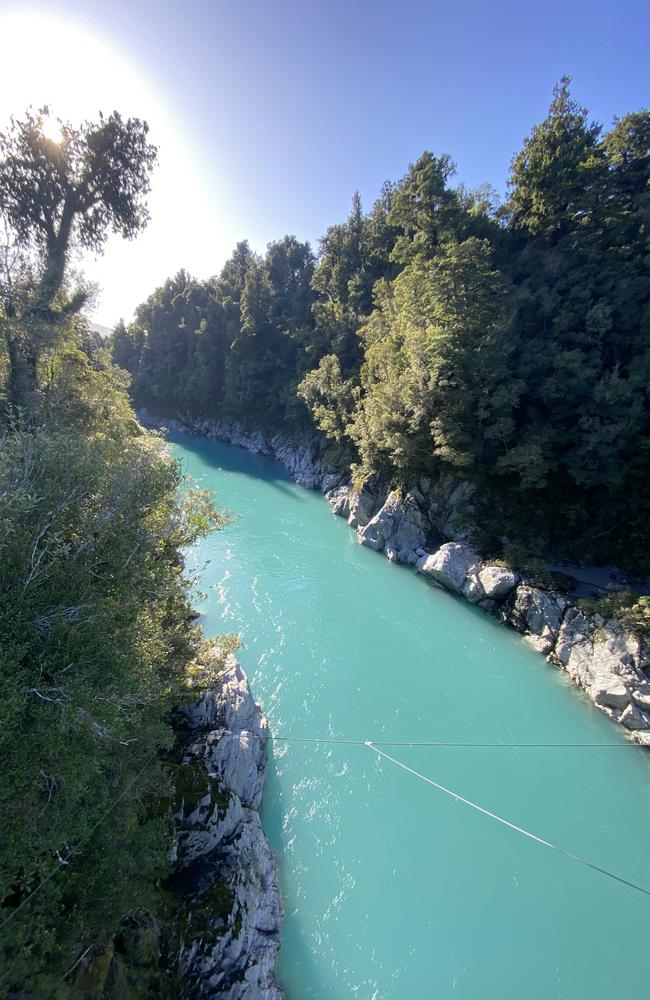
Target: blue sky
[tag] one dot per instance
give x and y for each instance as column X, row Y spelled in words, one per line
column 285, row 108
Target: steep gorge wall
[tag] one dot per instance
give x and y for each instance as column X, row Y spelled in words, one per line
column 225, row 875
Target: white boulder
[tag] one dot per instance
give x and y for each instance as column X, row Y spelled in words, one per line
column 497, row 581
column 450, row 565
column 538, row 613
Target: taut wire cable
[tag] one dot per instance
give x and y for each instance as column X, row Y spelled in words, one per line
column 511, row 826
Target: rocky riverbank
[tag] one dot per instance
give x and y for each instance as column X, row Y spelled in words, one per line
column 225, row 873
column 607, row 662
column 429, row 527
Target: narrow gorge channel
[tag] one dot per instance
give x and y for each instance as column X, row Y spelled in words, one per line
column 393, row 890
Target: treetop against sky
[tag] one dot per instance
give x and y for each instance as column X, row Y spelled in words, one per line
column 269, row 115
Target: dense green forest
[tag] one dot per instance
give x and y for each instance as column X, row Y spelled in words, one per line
column 97, row 634
column 442, row 331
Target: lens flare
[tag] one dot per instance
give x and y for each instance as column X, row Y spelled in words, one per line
column 52, row 129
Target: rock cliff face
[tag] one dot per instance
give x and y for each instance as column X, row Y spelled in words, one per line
column 429, row 527
column 302, row 459
column 398, row 528
column 225, row 873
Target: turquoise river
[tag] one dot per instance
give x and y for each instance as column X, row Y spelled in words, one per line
column 394, row 890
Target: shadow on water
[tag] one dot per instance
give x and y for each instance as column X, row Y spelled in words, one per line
column 229, row 458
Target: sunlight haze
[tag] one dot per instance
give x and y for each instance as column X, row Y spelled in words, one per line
column 55, row 62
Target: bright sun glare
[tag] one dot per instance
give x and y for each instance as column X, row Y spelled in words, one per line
column 58, row 63
column 54, row 62
column 52, row 129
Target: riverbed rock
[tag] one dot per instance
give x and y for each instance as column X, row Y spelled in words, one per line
column 379, row 528
column 575, row 631
column 329, row 481
column 497, row 581
column 364, row 503
column 641, row 698
column 540, row 643
column 202, row 825
column 609, row 691
column 250, row 440
column 398, row 526
column 235, row 748
column 472, row 589
column 225, row 872
column 450, row 565
column 538, row 614
column 339, row 500
column 301, row 460
column 606, row 662
column 634, row 718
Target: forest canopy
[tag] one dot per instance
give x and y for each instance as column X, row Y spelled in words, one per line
column 441, row 331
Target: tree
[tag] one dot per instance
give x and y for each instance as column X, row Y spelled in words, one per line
column 353, row 256
column 56, row 197
column 424, row 208
column 330, row 398
column 98, row 638
column 551, row 176
column 437, row 379
column 509, row 345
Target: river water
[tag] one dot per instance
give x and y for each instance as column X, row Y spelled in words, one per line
column 394, row 890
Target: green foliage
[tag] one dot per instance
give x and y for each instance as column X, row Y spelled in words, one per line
column 424, row 209
column 237, row 347
column 95, row 179
column 98, row 641
column 233, row 347
column 55, row 198
column 552, row 175
column 436, row 382
column 442, row 333
column 623, row 606
column 518, row 557
column 330, row 397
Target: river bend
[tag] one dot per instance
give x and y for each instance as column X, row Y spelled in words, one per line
column 393, row 890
